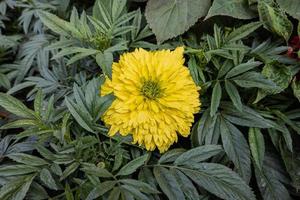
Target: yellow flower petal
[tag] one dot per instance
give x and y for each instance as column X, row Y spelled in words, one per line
column 156, row 98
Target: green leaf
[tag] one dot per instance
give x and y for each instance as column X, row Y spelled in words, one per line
column 269, row 185
column 296, row 88
column 4, row 81
column 134, row 192
column 16, row 189
column 216, row 98
column 233, row 8
column 13, row 170
column 132, row 166
column 257, row 146
column 58, row 25
column 47, row 179
column 254, row 80
column 248, row 117
column 69, row 170
column 198, row 154
column 168, row 183
column 96, row 171
column 27, row 159
column 171, row 155
column 38, row 102
column 144, row 187
column 22, row 123
column 292, row 7
column 68, row 193
column 243, row 31
column 275, row 20
column 165, row 16
column 280, row 74
column 236, row 148
column 80, row 117
column 15, row 106
column 185, row 184
column 105, row 61
column 234, row 95
column 101, row 189
column 241, row 68
column 115, row 194
column 219, row 180
column 206, row 130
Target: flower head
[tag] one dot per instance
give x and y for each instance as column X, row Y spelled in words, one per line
column 156, row 98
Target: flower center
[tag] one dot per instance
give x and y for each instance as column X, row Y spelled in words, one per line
column 151, row 89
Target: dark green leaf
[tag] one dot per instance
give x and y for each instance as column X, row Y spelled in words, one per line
column 27, row 159
column 236, row 148
column 132, row 166
column 233, row 8
column 234, row 95
column 15, row 106
column 168, row 183
column 47, row 179
column 254, row 80
column 275, row 19
column 216, row 98
column 257, row 146
column 101, row 189
column 220, row 181
column 198, row 154
column 243, row 31
column 164, row 16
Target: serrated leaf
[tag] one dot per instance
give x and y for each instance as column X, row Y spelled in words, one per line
column 185, row 184
column 134, row 192
column 206, row 130
column 27, row 159
column 241, row 68
column 168, row 183
column 219, row 180
column 96, row 171
column 234, row 95
column 236, row 148
column 16, row 189
column 4, row 81
column 171, row 155
column 248, row 117
column 254, row 80
column 144, row 187
column 257, row 146
column 58, row 25
column 270, row 187
column 79, row 116
column 22, row 123
column 69, row 170
column 216, row 98
column 105, row 61
column 233, row 8
column 101, row 189
column 198, row 154
column 132, row 166
column 165, row 16
column 13, row 170
column 275, row 19
column 243, row 31
column 15, row 106
column 47, row 179
column 296, row 88
column 292, row 7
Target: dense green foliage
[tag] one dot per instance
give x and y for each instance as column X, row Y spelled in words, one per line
column 54, row 54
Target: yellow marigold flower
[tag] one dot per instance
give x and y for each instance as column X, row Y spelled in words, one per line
column 156, row 98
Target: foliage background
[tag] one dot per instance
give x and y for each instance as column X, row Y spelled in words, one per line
column 54, row 55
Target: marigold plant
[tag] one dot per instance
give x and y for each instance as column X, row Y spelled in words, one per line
column 156, row 98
